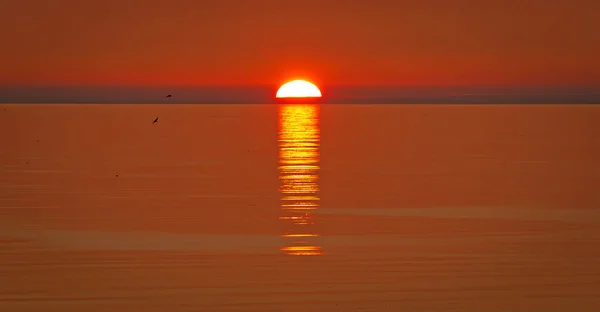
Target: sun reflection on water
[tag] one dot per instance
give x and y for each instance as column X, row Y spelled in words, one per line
column 299, row 175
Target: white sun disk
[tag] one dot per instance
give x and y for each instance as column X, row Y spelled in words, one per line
column 298, row 89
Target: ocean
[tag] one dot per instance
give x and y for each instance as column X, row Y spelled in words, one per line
column 299, row 207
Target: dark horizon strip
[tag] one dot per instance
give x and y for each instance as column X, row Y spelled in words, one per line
column 332, row 95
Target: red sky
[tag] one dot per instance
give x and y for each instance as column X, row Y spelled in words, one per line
column 329, row 41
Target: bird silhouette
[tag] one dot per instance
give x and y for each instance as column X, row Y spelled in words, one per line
column 169, row 95
column 155, row 120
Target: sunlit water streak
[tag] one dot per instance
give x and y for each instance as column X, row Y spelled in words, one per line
column 299, row 175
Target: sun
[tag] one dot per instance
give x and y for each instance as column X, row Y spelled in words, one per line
column 298, row 89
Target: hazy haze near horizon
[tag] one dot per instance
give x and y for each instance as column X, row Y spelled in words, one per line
column 359, row 94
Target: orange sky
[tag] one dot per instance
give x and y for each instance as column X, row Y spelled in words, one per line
column 329, row 41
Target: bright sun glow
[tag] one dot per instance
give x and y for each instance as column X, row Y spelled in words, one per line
column 298, row 89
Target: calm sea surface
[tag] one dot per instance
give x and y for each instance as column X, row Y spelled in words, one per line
column 299, row 208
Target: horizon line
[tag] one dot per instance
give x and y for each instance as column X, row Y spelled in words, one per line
column 265, row 94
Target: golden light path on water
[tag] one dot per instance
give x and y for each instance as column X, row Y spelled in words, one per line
column 299, row 175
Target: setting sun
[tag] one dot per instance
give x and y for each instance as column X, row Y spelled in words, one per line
column 298, row 89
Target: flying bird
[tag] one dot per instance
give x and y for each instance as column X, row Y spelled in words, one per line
column 169, row 95
column 155, row 120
